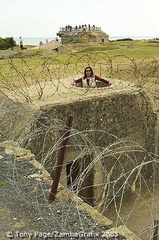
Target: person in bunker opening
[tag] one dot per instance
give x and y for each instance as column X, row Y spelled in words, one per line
column 89, row 80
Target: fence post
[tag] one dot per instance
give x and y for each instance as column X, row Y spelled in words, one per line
column 61, row 156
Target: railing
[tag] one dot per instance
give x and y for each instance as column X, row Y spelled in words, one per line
column 77, row 29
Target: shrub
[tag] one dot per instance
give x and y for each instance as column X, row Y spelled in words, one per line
column 5, row 43
column 2, row 44
column 125, row 39
column 93, row 49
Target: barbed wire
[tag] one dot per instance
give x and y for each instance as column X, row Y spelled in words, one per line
column 24, row 78
column 128, row 181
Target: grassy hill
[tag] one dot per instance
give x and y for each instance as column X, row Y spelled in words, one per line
column 121, row 58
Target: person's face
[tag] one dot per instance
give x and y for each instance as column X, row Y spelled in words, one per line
column 88, row 72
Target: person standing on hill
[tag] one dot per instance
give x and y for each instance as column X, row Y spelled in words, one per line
column 89, row 80
column 21, row 43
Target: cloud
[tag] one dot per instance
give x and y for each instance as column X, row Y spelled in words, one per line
column 117, row 17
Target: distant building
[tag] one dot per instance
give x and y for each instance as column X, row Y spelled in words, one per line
column 53, row 47
column 83, row 34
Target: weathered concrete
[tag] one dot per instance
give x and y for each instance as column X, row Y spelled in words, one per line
column 127, row 115
column 121, row 125
column 107, row 132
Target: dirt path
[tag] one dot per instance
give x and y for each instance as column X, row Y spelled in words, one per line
column 8, row 53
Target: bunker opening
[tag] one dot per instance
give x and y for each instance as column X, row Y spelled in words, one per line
column 80, row 178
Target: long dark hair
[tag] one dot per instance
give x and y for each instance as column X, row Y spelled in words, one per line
column 85, row 71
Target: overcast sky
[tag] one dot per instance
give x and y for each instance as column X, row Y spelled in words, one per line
column 43, row 18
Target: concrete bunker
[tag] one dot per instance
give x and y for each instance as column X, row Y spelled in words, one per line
column 120, row 119
column 117, row 130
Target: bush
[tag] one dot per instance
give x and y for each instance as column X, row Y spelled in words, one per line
column 93, row 49
column 125, row 39
column 2, row 44
column 5, row 43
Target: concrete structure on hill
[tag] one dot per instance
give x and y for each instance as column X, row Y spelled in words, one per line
column 53, row 47
column 113, row 133
column 82, row 34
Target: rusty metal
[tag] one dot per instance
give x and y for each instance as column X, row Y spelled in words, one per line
column 61, row 156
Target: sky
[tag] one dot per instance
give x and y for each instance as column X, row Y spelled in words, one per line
column 43, row 18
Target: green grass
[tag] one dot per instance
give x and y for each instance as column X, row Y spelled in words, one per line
column 134, row 49
column 29, row 64
column 2, row 184
column 94, row 49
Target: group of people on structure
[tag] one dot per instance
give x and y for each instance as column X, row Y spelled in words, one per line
column 83, row 27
